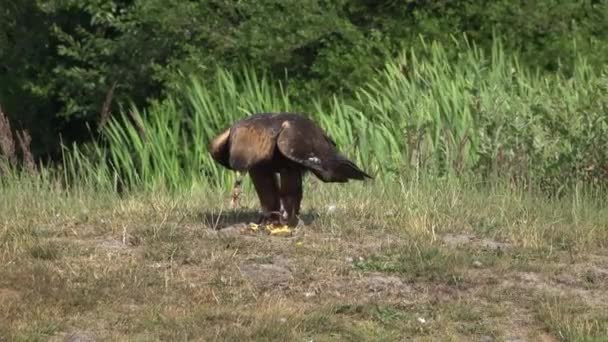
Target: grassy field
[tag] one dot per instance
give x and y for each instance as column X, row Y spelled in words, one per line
column 409, row 261
column 143, row 246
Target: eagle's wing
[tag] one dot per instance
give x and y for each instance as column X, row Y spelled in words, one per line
column 252, row 141
column 245, row 144
column 302, row 141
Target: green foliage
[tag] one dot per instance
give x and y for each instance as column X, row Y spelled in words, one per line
column 62, row 61
column 485, row 113
column 428, row 114
column 549, row 34
column 166, row 145
column 26, row 62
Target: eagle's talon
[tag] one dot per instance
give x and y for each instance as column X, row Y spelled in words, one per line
column 271, row 218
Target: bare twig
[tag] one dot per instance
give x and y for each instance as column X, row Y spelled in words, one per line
column 105, row 108
column 25, row 140
column 7, row 142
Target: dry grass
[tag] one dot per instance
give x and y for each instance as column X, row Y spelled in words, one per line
column 426, row 262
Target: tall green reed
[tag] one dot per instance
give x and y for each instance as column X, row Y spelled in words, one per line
column 165, row 145
column 451, row 111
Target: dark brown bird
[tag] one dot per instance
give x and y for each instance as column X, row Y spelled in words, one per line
column 284, row 144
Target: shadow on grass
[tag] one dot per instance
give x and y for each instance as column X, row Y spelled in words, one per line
column 220, row 220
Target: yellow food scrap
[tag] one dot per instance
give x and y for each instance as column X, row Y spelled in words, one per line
column 279, row 231
column 254, row 227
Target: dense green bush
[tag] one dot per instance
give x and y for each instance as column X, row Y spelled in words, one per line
column 488, row 115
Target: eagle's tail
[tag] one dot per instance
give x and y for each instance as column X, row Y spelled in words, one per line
column 338, row 170
column 347, row 169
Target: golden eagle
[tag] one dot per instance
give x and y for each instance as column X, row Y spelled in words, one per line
column 285, row 144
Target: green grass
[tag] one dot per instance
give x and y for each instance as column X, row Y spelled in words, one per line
column 572, row 320
column 452, row 241
column 472, row 114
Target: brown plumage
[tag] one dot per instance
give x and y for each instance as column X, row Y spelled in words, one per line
column 284, row 144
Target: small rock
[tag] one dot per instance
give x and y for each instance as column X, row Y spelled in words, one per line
column 477, row 264
column 309, row 294
column 421, row 320
column 331, row 208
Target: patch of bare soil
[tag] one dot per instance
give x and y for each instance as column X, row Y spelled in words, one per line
column 8, row 295
column 383, row 284
column 118, row 246
column 75, row 336
column 365, row 287
column 570, row 282
column 563, row 284
column 599, row 273
column 273, row 275
column 233, row 230
column 461, row 240
column 79, row 337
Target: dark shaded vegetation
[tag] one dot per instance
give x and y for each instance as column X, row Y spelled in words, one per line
column 65, row 66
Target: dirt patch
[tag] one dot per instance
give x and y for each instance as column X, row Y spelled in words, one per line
column 462, row 240
column 75, row 336
column 566, row 285
column 601, row 273
column 113, row 245
column 383, row 284
column 366, row 287
column 118, row 247
column 233, row 230
column 79, row 337
column 8, row 295
column 493, row 245
column 457, row 240
column 275, row 274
